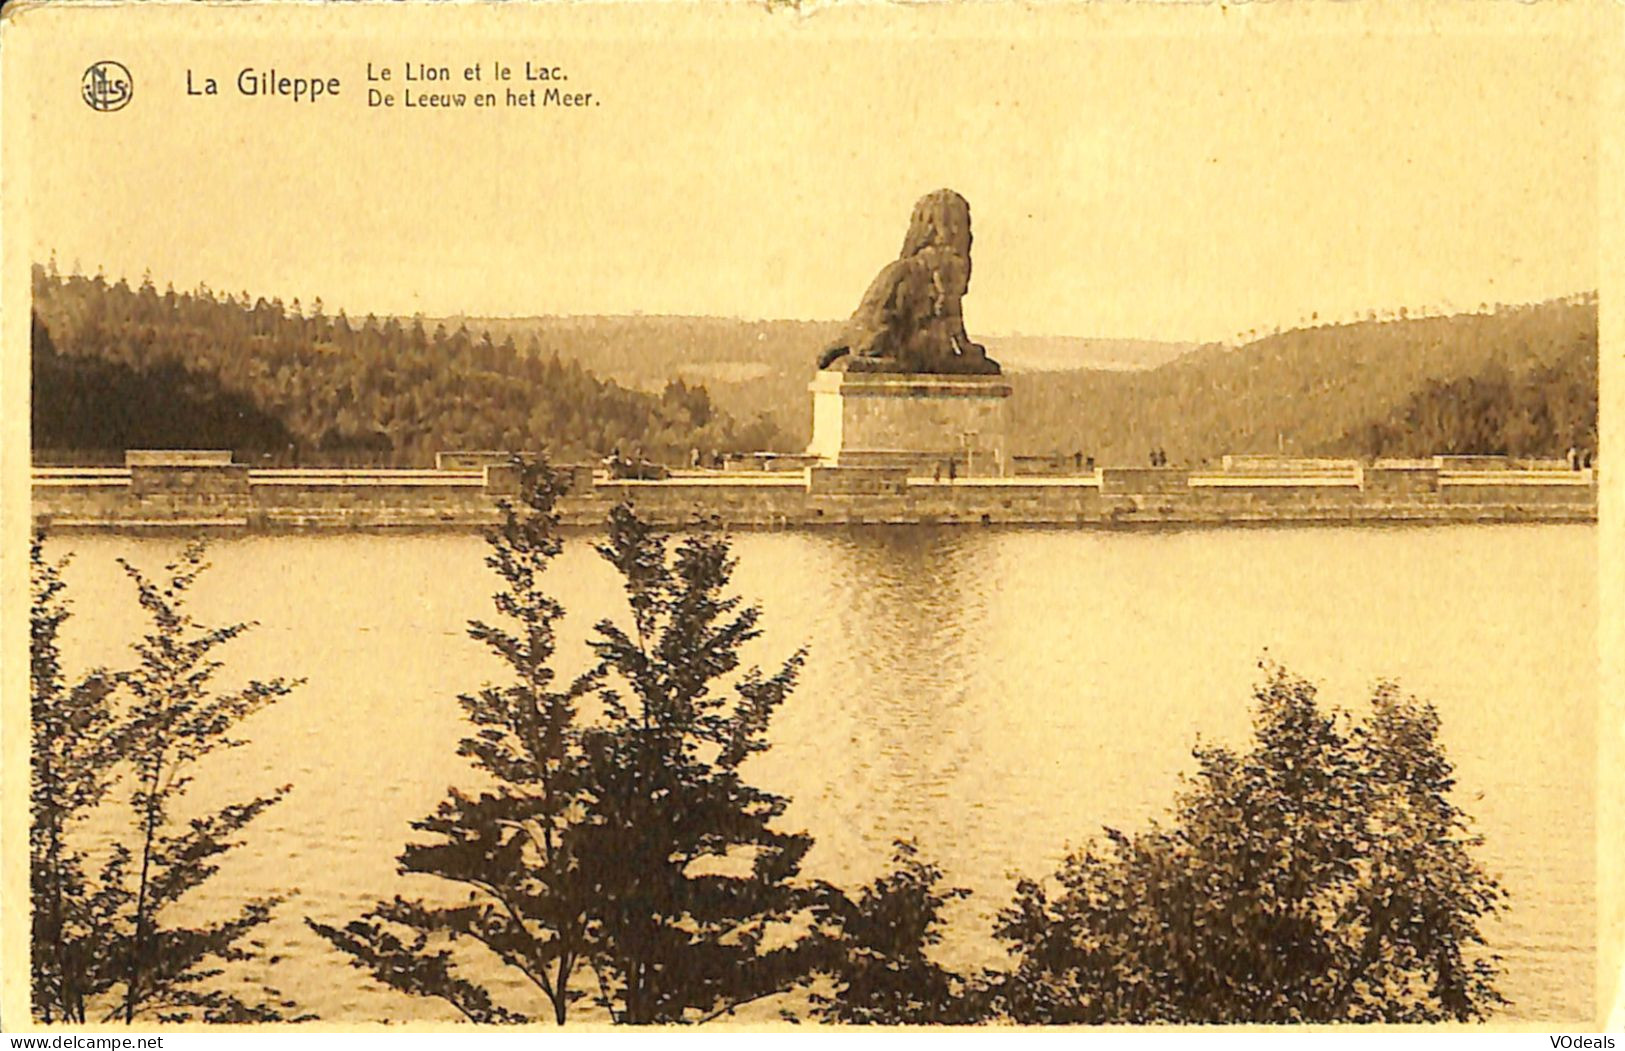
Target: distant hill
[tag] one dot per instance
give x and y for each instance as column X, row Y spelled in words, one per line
column 760, row 369
column 1069, row 353
column 1521, row 380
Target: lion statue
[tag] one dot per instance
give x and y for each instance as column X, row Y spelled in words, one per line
column 910, row 320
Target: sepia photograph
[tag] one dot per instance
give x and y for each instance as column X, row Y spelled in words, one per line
column 809, row 516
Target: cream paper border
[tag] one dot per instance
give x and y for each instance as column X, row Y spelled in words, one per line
column 1610, row 808
column 32, row 28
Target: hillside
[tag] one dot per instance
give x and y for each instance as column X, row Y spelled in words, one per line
column 1522, row 380
column 761, row 369
column 117, row 367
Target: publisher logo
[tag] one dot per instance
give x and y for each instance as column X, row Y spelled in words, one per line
column 107, row 86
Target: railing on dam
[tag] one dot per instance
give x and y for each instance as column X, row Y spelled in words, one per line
column 319, row 477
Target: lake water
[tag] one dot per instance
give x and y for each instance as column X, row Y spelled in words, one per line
column 996, row 694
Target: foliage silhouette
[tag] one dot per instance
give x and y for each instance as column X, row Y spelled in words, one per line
column 696, row 904
column 879, row 952
column 1323, row 876
column 74, row 752
column 104, row 945
column 627, row 842
column 509, row 848
column 175, row 719
column 101, row 408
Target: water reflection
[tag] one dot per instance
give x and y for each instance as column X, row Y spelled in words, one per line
column 916, row 608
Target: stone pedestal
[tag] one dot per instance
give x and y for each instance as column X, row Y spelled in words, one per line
column 922, row 423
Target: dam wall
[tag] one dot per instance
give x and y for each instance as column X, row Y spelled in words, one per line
column 162, row 490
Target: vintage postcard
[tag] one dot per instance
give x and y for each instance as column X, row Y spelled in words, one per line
column 987, row 515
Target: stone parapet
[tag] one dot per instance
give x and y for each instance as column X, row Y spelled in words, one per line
column 208, row 482
column 1144, row 480
column 1399, row 480
column 231, row 496
column 501, row 479
column 177, row 458
column 472, row 459
column 856, row 481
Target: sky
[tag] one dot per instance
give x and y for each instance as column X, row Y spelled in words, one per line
column 1186, row 173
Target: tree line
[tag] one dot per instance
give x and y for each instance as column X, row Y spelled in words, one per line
column 1517, row 380
column 117, row 367
column 621, row 862
column 1540, row 412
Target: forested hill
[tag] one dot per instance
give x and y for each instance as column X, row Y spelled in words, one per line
column 117, row 367
column 1519, row 380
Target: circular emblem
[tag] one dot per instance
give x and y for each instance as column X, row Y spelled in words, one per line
column 107, row 86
